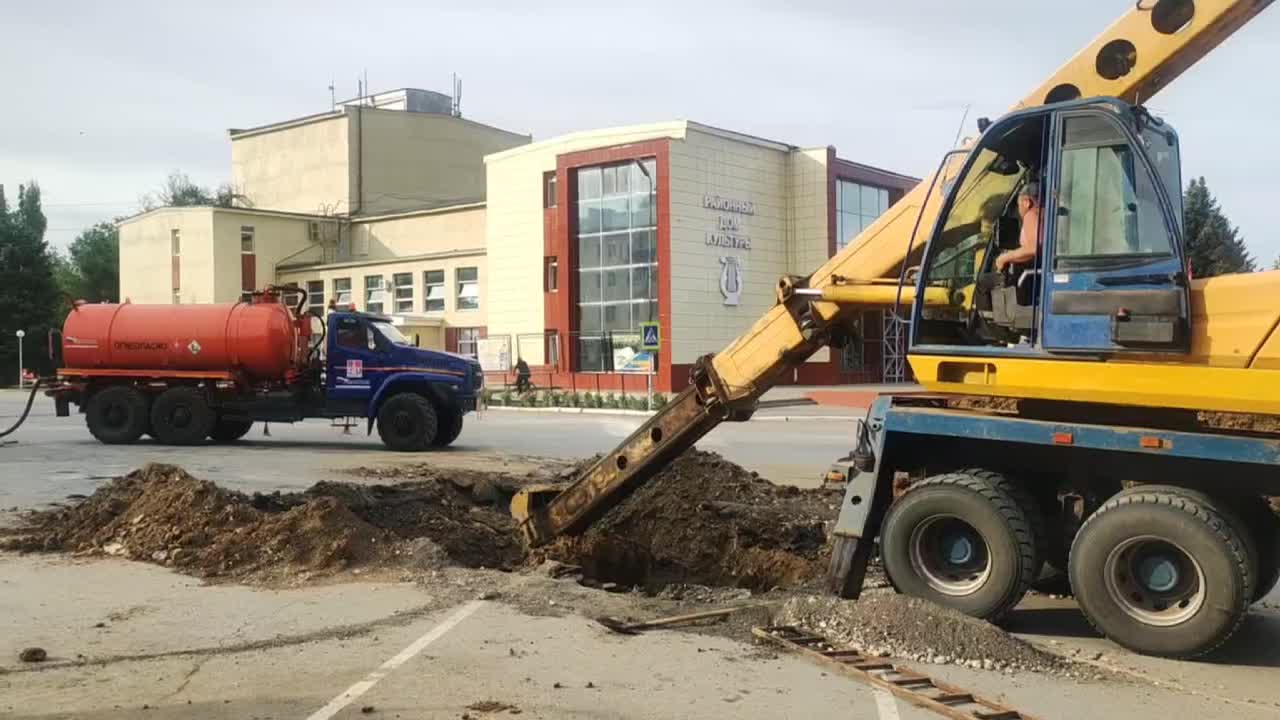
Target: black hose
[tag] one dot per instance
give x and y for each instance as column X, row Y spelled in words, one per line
column 30, row 399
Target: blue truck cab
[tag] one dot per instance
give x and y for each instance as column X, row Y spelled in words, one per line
column 417, row 398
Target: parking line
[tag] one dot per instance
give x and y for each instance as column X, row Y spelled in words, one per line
column 886, row 705
column 350, row 694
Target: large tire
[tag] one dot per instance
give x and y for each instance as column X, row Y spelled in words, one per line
column 448, row 428
column 181, row 416
column 1163, row 571
column 407, row 422
column 226, row 430
column 117, row 415
column 1264, row 527
column 961, row 540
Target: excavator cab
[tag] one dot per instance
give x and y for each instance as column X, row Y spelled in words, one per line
column 1108, row 276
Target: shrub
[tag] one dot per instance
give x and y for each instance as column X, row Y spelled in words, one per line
column 659, row 400
column 589, row 401
column 611, row 401
column 505, row 398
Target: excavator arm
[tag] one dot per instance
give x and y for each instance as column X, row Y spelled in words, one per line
column 1137, row 56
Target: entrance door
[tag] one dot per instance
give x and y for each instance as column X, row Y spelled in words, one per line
column 1115, row 282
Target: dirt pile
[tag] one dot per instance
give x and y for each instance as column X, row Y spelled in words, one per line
column 707, row 521
column 898, row 626
column 162, row 514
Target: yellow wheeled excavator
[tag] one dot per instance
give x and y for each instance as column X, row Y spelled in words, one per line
column 1101, row 462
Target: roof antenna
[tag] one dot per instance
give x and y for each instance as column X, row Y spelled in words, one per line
column 456, row 109
column 333, row 100
column 960, row 129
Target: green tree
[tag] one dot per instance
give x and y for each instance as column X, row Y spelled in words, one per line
column 28, row 292
column 1214, row 245
column 178, row 190
column 1275, row 264
column 95, row 262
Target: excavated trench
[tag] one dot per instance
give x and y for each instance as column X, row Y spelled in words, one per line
column 701, row 521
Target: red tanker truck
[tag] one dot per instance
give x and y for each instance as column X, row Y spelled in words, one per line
column 184, row 374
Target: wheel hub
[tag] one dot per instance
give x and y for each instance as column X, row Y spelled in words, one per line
column 950, row 555
column 181, row 416
column 116, row 415
column 1154, row 581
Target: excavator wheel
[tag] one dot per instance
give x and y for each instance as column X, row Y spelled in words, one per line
column 961, row 540
column 1264, row 527
column 117, row 415
column 1163, row 571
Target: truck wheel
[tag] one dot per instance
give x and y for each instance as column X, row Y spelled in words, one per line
column 449, row 427
column 407, row 422
column 1264, row 527
column 227, row 430
column 181, row 416
column 117, row 415
column 1161, row 571
column 963, row 541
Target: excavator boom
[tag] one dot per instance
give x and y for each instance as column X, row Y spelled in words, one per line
column 1137, row 56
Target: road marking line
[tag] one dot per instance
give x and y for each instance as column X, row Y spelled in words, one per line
column 350, row 694
column 886, row 705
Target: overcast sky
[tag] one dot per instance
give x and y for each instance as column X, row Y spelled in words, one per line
column 103, row 100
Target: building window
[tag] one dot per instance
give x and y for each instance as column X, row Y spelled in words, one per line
column 469, row 341
column 552, row 350
column 246, row 296
column 374, row 293
column 468, row 288
column 402, row 288
column 175, row 242
column 551, row 275
column 857, row 206
column 433, row 280
column 177, row 299
column 315, row 297
column 617, row 261
column 246, row 239
column 342, row 292
column 549, row 189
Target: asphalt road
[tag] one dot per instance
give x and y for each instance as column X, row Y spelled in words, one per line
column 49, row 458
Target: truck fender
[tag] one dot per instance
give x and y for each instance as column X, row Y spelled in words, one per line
column 425, row 383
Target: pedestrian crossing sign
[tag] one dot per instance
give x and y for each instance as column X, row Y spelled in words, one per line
column 649, row 337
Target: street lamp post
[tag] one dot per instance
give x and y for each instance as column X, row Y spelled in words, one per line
column 21, row 334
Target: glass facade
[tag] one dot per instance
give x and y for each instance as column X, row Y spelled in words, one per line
column 617, row 261
column 857, row 206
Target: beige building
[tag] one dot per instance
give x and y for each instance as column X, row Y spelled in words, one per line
column 564, row 252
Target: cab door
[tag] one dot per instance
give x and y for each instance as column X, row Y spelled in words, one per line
column 353, row 364
column 1114, row 281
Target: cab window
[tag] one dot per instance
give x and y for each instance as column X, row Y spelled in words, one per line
column 1108, row 204
column 352, row 334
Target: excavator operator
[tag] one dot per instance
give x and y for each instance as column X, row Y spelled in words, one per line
column 1029, row 236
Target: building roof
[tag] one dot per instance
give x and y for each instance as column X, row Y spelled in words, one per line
column 219, row 208
column 677, row 130
column 240, row 133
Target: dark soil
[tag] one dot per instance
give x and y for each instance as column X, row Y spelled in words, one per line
column 162, row 514
column 707, row 521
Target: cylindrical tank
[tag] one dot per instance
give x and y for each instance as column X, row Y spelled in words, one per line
column 261, row 339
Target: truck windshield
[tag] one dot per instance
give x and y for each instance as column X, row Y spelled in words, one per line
column 390, row 332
